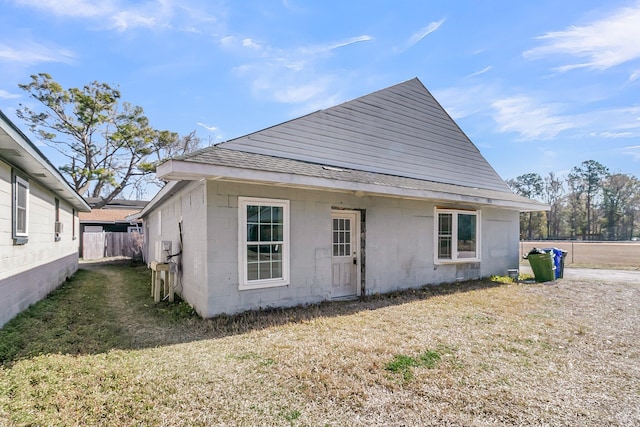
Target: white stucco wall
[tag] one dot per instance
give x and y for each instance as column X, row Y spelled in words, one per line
column 399, row 244
column 29, row 272
column 399, row 247
column 189, row 206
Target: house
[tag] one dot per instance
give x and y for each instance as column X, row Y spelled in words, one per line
column 112, row 217
column 381, row 193
column 38, row 223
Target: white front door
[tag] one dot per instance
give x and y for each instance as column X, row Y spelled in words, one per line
column 345, row 248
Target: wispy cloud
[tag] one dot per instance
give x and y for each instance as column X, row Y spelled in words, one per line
column 484, row 70
column 466, row 101
column 251, row 44
column 120, row 15
column 292, row 75
column 71, row 8
column 328, row 47
column 8, row 95
column 528, row 118
column 424, row 32
column 601, row 44
column 210, row 128
column 126, row 20
column 300, row 93
column 26, row 52
column 352, row 40
column 612, row 135
column 633, row 151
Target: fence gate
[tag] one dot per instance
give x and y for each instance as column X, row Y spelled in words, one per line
column 110, row 244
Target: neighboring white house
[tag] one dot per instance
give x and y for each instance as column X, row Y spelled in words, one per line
column 381, row 193
column 39, row 226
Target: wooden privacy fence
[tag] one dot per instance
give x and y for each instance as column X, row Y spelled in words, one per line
column 110, row 244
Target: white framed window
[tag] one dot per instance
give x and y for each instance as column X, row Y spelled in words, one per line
column 263, row 242
column 20, row 210
column 457, row 235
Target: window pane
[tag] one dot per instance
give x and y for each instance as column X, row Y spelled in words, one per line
column 252, row 271
column 277, row 233
column 265, row 214
column 466, row 236
column 252, row 253
column 264, row 271
column 252, row 213
column 444, row 223
column 444, row 247
column 22, row 196
column 21, row 220
column 276, row 269
column 265, row 233
column 252, row 232
column 278, row 217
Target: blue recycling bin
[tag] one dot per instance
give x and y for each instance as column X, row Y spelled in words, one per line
column 558, row 260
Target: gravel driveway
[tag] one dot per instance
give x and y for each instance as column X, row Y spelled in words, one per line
column 605, row 276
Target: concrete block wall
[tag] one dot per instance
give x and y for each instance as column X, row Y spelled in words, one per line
column 23, row 289
column 399, row 244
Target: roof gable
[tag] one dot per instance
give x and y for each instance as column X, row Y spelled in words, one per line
column 401, row 130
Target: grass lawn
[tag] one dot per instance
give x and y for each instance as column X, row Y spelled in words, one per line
column 99, row 352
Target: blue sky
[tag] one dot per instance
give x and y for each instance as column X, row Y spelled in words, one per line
column 537, row 86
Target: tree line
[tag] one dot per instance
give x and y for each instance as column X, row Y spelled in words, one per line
column 589, row 203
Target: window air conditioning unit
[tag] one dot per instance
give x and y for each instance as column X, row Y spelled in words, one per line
column 58, row 230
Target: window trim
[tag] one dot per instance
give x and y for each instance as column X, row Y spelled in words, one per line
column 454, row 235
column 19, row 237
column 244, row 283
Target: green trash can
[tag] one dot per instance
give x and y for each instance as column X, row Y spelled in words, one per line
column 542, row 265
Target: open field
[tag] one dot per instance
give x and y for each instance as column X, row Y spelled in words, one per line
column 624, row 255
column 99, row 352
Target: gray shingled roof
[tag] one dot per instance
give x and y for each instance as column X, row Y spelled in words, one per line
column 401, row 130
column 396, row 142
column 238, row 159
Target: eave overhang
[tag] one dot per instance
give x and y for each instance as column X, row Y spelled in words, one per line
column 19, row 152
column 178, row 170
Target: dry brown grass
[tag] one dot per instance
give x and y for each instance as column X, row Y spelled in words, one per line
column 619, row 255
column 545, row 354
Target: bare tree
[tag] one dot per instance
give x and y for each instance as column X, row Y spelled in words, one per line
column 586, row 180
column 553, row 193
column 621, row 197
column 528, row 185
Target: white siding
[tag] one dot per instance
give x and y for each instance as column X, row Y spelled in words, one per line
column 44, row 261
